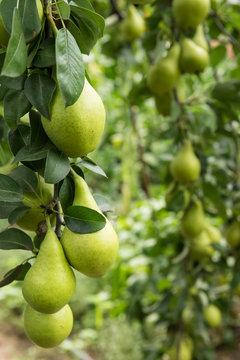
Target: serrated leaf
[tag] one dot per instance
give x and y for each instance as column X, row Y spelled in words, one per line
column 70, row 67
column 16, row 57
column 57, row 166
column 10, row 191
column 39, row 89
column 83, row 220
column 15, row 239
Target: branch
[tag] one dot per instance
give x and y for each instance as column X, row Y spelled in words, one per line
column 145, row 175
column 115, row 10
column 221, row 27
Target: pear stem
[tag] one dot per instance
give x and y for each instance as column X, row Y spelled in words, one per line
column 49, row 226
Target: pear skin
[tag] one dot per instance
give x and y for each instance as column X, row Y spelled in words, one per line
column 164, row 74
column 185, row 167
column 213, row 233
column 77, row 129
column 233, row 234
column 186, row 350
column 193, row 58
column 133, row 26
column 50, row 283
column 199, row 38
column 201, row 246
column 41, row 196
column 48, row 330
column 212, row 316
column 193, row 221
column 91, row 254
column 190, row 13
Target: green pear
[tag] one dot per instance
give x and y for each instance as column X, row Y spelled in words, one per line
column 4, row 35
column 193, row 58
column 193, row 221
column 163, row 103
column 186, row 350
column 190, row 13
column 188, row 317
column 164, row 74
column 48, row 330
column 212, row 316
column 91, row 254
column 233, row 234
column 133, row 26
column 213, row 233
column 50, row 282
column 77, row 129
column 41, row 196
column 201, row 246
column 185, row 167
column 199, row 38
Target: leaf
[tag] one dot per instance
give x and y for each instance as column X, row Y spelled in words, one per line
column 16, row 83
column 39, row 90
column 11, row 275
column 38, row 137
column 45, row 57
column 90, row 165
column 30, row 19
column 83, row 220
column 17, row 214
column 64, row 9
column 15, row 106
column 91, row 14
column 15, row 239
column 16, row 57
column 7, row 207
column 32, row 154
column 23, row 273
column 25, row 177
column 66, row 193
column 10, row 191
column 70, row 67
column 57, row 166
column 7, row 8
column 19, row 138
column 211, row 192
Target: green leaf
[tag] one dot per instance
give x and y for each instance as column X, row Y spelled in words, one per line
column 30, row 19
column 7, row 8
column 70, row 67
column 80, row 11
column 16, row 57
column 90, row 165
column 39, row 90
column 15, row 239
column 217, row 55
column 19, row 137
column 212, row 193
column 13, row 83
column 32, row 154
column 25, row 177
column 45, row 57
column 7, row 207
column 66, row 193
column 10, row 191
column 57, row 166
column 15, row 106
column 17, row 214
column 11, row 275
column 38, row 136
column 83, row 220
column 23, row 273
column 64, row 9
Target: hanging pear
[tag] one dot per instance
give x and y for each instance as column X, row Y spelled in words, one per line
column 190, row 13
column 163, row 103
column 34, row 200
column 77, row 129
column 193, row 59
column 193, row 221
column 185, row 167
column 133, row 26
column 91, row 254
column 185, row 350
column 164, row 74
column 48, row 330
column 201, row 246
column 199, row 38
column 212, row 316
column 50, row 283
column 213, row 233
column 233, row 234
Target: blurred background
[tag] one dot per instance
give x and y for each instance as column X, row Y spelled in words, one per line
column 136, row 311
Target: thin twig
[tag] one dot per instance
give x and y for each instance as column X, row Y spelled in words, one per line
column 115, row 10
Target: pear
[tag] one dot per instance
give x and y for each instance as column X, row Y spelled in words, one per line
column 200, row 39
column 164, row 74
column 233, row 234
column 193, row 58
column 201, row 246
column 163, row 103
column 133, row 26
column 188, row 317
column 50, row 282
column 48, row 330
column 186, row 350
column 185, row 167
column 4, row 35
column 41, row 196
column 193, row 221
column 212, row 316
column 91, row 254
column 77, row 129
column 213, row 233
column 190, row 13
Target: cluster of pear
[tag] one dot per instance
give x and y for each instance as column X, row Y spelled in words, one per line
column 189, row 55
column 133, row 25
column 50, row 283
column 185, row 168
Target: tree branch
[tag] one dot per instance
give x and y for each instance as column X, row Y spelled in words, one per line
column 115, row 10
